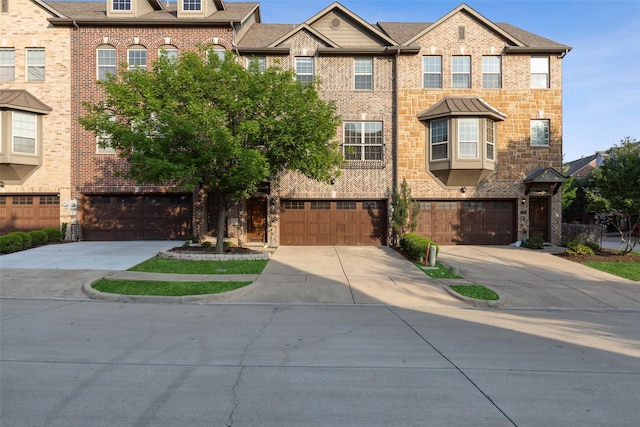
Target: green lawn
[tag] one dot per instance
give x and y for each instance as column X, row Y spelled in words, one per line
column 441, row 272
column 158, row 288
column 164, row 265
column 628, row 270
column 476, row 291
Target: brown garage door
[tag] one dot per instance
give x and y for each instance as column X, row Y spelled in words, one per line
column 29, row 212
column 136, row 217
column 331, row 222
column 478, row 222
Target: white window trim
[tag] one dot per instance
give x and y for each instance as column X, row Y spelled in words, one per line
column 492, row 73
column 129, row 9
column 461, row 141
column 183, row 9
column 490, row 124
column 313, row 67
column 137, row 48
column 459, row 73
column 10, row 66
column 431, row 73
column 356, row 73
column 98, row 66
column 538, row 72
column 29, row 63
column 168, row 50
column 363, row 141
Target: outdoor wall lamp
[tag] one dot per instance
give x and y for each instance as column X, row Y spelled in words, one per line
column 463, row 190
column 523, row 201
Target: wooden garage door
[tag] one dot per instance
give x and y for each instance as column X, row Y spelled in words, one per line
column 29, row 212
column 478, row 222
column 331, row 222
column 136, row 217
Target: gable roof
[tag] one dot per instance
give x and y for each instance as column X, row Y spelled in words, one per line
column 20, row 99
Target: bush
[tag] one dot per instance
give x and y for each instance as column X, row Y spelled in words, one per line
column 53, row 234
column 416, row 246
column 534, row 243
column 38, row 237
column 578, row 248
column 26, row 239
column 10, row 243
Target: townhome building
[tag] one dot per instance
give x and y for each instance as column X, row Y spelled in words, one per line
column 35, row 118
column 468, row 111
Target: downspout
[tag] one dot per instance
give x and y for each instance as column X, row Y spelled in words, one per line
column 396, row 141
column 77, row 133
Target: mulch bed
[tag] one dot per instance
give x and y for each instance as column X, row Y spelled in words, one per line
column 605, row 255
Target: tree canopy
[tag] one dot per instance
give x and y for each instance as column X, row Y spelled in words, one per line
column 199, row 121
column 615, row 188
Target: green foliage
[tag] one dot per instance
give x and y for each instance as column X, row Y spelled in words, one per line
column 416, row 246
column 616, row 191
column 26, row 239
column 199, row 121
column 440, row 272
column 165, row 265
column 476, row 292
column 163, row 288
column 38, row 237
column 628, row 270
column 10, row 243
column 53, row 234
column 404, row 218
column 534, row 243
column 579, row 248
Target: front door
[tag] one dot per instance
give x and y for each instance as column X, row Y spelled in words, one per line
column 539, row 217
column 257, row 220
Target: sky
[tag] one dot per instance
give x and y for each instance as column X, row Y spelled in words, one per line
column 601, row 74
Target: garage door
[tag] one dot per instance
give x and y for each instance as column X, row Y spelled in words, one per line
column 331, row 222
column 136, row 217
column 29, row 212
column 480, row 222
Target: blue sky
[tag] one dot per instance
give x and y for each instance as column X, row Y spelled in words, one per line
column 601, row 75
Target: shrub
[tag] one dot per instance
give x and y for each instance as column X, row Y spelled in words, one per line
column 38, row 237
column 53, row 234
column 26, row 239
column 578, row 248
column 206, row 244
column 10, row 243
column 416, row 246
column 534, row 243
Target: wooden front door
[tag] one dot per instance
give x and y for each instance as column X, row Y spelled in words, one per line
column 257, row 220
column 539, row 218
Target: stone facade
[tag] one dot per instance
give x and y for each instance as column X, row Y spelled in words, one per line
column 25, row 26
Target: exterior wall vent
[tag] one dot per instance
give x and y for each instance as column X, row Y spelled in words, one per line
column 335, row 23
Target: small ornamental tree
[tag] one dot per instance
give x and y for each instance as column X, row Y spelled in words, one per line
column 616, row 191
column 404, row 218
column 201, row 122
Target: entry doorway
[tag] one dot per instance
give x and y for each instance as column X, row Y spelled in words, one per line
column 539, row 218
column 257, row 220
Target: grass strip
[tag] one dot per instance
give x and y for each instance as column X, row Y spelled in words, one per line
column 169, row 289
column 628, row 270
column 439, row 272
column 476, row 292
column 179, row 266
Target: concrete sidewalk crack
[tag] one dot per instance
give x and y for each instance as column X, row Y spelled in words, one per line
column 353, row 299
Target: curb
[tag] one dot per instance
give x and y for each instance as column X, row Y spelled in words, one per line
column 476, row 302
column 92, row 293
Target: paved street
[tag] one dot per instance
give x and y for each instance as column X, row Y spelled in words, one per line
column 82, row 363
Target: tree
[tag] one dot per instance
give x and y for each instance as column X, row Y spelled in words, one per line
column 616, row 192
column 201, row 122
column 404, row 218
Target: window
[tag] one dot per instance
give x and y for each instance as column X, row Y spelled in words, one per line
column 7, row 65
column 539, row 72
column 191, row 5
column 293, row 205
column 320, row 205
column 440, row 140
column 35, row 65
column 137, row 58
column 490, row 139
column 24, row 133
column 106, row 62
column 22, row 200
column 121, row 4
column 49, row 200
column 540, row 133
column 363, row 74
column 468, row 138
column 461, row 72
column 346, row 205
column 491, row 72
column 363, row 140
column 304, row 69
column 432, row 72
column 103, row 142
column 168, row 51
column 219, row 51
column 260, row 61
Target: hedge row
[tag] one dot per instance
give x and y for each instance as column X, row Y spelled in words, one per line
column 20, row 240
column 416, row 246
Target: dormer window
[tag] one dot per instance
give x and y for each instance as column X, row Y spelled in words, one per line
column 121, row 4
column 195, row 5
